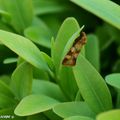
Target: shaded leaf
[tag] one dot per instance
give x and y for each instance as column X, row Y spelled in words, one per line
column 45, row 7
column 6, row 101
column 109, row 12
column 37, row 117
column 8, row 113
column 5, row 90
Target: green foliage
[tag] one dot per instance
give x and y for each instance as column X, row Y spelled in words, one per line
column 34, row 104
column 21, row 83
column 36, row 36
column 110, row 115
column 109, row 12
column 92, row 86
column 78, row 118
column 69, row 109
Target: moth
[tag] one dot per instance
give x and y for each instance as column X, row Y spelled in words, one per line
column 70, row 58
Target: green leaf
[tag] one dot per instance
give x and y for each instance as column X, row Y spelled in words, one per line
column 45, row 7
column 64, row 34
column 78, row 96
column 40, row 74
column 67, row 83
column 69, row 109
column 38, row 35
column 48, row 60
column 92, row 86
column 78, row 118
column 24, row 48
column 109, row 115
column 5, row 15
column 47, row 88
column 34, row 104
column 21, row 83
column 21, row 12
column 6, row 96
column 6, row 101
column 92, row 52
column 6, row 79
column 113, row 80
column 5, row 90
column 10, row 60
column 109, row 12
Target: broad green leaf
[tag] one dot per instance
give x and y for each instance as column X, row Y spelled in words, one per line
column 10, row 60
column 69, row 109
column 78, row 118
column 105, row 9
column 21, row 83
column 35, row 104
column 64, row 34
column 109, row 115
column 92, row 52
column 6, row 101
column 92, row 86
column 24, row 48
column 113, row 80
column 45, row 7
column 5, row 90
column 47, row 88
column 21, row 12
